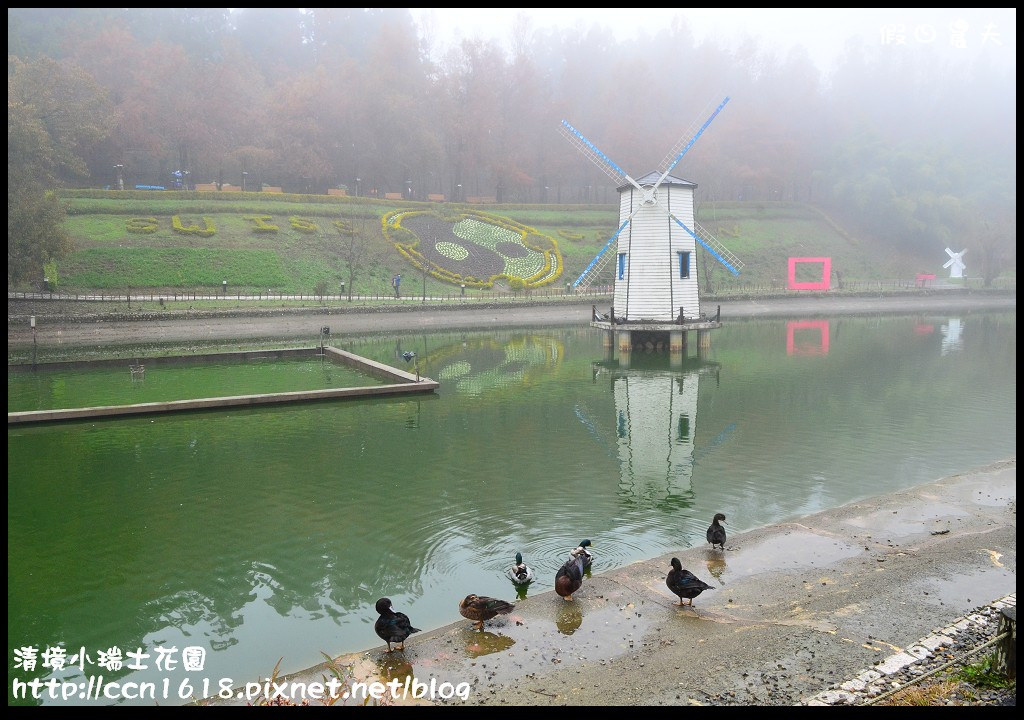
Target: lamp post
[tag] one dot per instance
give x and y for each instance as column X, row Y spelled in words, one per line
column 32, row 322
column 409, row 355
column 458, row 193
column 244, row 175
column 120, row 176
column 358, row 180
column 408, row 189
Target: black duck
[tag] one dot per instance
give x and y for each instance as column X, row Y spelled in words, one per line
column 391, row 626
column 684, row 583
column 716, row 533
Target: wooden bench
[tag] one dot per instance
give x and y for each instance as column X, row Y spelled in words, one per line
column 337, row 191
column 272, row 189
column 392, row 196
column 435, row 197
column 206, row 187
column 228, row 187
column 481, row 199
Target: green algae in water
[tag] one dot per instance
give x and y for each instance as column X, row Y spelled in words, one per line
column 51, row 389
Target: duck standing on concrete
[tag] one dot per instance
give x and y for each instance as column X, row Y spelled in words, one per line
column 684, row 583
column 569, row 577
column 391, row 626
column 716, row 533
column 481, row 608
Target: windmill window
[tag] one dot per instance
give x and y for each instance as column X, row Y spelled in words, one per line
column 683, row 431
column 684, row 264
column 622, row 266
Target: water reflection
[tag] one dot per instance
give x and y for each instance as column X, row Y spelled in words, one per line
column 570, row 618
column 656, row 425
column 951, row 340
column 480, row 643
column 394, row 666
column 488, row 364
column 813, row 337
column 715, row 563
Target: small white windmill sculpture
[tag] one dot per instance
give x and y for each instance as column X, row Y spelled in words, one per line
column 955, row 263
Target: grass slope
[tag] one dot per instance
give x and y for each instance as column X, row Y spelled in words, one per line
column 108, row 257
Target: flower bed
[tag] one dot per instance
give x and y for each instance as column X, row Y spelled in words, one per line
column 474, row 248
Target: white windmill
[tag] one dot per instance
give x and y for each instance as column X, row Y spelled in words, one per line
column 656, row 270
column 955, row 263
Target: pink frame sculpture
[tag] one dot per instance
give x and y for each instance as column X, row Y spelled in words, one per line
column 793, row 349
column 826, row 273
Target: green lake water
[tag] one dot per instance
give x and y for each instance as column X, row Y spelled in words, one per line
column 166, row 380
column 268, row 533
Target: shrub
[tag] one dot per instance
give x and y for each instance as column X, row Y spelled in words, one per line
column 142, row 225
column 193, row 229
column 302, row 225
column 261, row 223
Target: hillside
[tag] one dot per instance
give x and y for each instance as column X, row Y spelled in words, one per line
column 295, row 243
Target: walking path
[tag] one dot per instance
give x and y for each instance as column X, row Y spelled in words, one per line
column 359, row 320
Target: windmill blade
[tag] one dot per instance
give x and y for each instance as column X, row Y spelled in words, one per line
column 595, row 266
column 688, row 145
column 710, row 243
column 590, row 151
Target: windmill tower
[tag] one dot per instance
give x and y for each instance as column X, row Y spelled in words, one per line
column 955, row 263
column 654, row 250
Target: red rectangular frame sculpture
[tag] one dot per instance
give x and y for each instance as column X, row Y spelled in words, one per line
column 826, row 273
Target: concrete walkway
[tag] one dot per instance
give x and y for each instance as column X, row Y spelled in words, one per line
column 797, row 607
column 306, row 322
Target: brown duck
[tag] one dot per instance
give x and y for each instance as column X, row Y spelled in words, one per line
column 481, row 608
column 569, row 577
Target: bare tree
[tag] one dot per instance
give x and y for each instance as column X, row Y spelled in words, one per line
column 361, row 246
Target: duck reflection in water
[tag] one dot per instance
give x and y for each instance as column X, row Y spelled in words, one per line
column 569, row 619
column 716, row 566
column 485, row 643
column 394, row 667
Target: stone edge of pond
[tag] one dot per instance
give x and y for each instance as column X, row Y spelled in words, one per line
column 897, row 671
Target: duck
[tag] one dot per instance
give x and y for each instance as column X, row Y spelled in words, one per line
column 481, row 608
column 588, row 559
column 716, row 533
column 569, row 577
column 391, row 626
column 684, row 583
column 520, row 573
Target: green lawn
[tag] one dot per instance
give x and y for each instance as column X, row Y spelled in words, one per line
column 108, row 257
